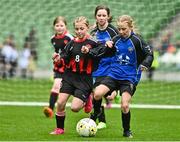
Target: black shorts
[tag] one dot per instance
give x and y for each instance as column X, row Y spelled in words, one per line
column 122, row 85
column 78, row 85
column 57, row 74
column 98, row 81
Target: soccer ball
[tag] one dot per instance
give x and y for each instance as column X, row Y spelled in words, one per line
column 86, row 127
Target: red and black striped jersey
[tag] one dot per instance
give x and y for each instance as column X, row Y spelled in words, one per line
column 59, row 42
column 75, row 60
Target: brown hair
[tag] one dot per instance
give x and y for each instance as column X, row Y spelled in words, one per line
column 59, row 18
column 99, row 7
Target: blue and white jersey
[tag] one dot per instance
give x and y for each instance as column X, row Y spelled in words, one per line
column 102, row 36
column 130, row 53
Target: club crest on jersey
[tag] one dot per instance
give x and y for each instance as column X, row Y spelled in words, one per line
column 65, row 41
column 130, row 49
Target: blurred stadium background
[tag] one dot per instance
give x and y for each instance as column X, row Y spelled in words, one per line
column 25, row 22
column 157, row 20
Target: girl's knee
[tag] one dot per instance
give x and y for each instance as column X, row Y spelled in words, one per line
column 125, row 107
column 97, row 97
column 75, row 109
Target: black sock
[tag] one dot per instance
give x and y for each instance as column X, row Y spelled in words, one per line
column 126, row 120
column 97, row 106
column 102, row 117
column 107, row 101
column 52, row 100
column 97, row 109
column 60, row 121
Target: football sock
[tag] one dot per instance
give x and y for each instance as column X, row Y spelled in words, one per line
column 126, row 120
column 53, row 99
column 97, row 106
column 107, row 101
column 60, row 121
column 101, row 117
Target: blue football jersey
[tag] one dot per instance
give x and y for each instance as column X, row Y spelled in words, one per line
column 102, row 36
column 130, row 53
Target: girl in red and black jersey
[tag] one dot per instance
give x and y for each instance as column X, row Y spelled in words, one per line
column 59, row 40
column 77, row 80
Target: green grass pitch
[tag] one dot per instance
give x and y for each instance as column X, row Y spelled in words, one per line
column 29, row 124
column 156, row 92
column 25, row 123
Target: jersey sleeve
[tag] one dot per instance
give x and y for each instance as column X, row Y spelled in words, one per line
column 66, row 52
column 98, row 52
column 52, row 42
column 148, row 53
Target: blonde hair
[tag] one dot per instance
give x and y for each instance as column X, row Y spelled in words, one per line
column 129, row 20
column 81, row 19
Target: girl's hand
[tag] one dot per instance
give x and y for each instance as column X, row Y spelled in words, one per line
column 56, row 57
column 143, row 68
column 84, row 49
column 109, row 44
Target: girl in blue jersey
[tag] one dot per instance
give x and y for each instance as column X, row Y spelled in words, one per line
column 132, row 54
column 102, row 32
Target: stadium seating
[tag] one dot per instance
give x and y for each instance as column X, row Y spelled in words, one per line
column 18, row 16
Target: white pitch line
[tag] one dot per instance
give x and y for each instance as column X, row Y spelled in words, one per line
column 8, row 103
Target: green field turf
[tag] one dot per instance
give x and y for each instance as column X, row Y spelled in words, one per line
column 156, row 92
column 29, row 124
